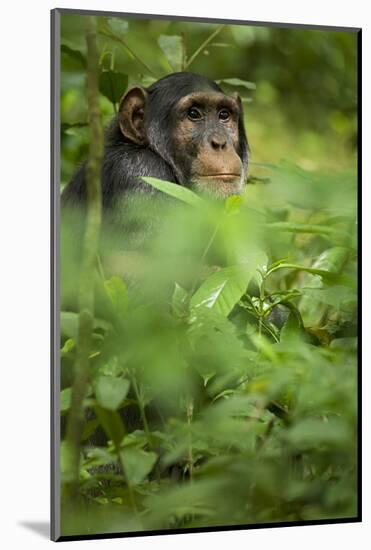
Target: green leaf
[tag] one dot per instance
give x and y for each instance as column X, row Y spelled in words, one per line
column 293, row 327
column 331, row 262
column 137, row 464
column 112, row 84
column 176, row 191
column 112, row 424
column 179, row 299
column 303, row 228
column 173, row 50
column 76, row 55
column 333, row 259
column 68, row 346
column 117, row 293
column 65, row 399
column 66, row 127
column 97, row 456
column 110, row 392
column 223, row 289
column 233, row 204
column 118, row 25
column 89, row 429
column 311, row 433
column 237, row 82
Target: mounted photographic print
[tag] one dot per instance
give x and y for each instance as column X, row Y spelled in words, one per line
column 205, row 302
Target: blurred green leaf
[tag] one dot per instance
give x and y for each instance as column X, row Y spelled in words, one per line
column 113, row 84
column 173, row 50
column 238, row 83
column 76, row 55
column 117, row 293
column 110, row 392
column 179, row 299
column 176, row 191
column 111, row 423
column 137, row 464
column 65, row 399
column 118, row 25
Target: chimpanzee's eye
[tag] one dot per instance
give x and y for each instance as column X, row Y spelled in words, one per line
column 224, row 115
column 194, row 114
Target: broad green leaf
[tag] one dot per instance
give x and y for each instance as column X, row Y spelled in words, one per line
column 311, row 433
column 68, row 346
column 97, row 456
column 68, row 128
column 65, row 399
column 76, row 55
column 303, row 228
column 223, row 289
column 233, row 204
column 110, row 392
column 336, row 295
column 173, row 50
column 176, row 191
column 112, row 424
column 237, row 82
column 331, row 261
column 112, row 84
column 293, row 327
column 89, row 429
column 117, row 293
column 179, row 299
column 137, row 464
column 118, row 25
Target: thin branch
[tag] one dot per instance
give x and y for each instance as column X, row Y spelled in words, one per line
column 203, row 46
column 127, row 48
column 90, row 247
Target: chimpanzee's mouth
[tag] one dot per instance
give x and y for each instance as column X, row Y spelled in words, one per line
column 221, row 177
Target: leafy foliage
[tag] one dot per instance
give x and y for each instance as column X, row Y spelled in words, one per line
column 223, row 360
column 243, row 374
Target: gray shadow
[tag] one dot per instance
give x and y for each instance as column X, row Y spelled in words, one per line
column 42, row 528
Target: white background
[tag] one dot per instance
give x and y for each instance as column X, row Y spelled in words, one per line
column 24, row 271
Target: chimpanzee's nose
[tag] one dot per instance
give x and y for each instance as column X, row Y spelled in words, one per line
column 218, row 142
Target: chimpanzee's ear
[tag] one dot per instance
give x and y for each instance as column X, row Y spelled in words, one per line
column 131, row 115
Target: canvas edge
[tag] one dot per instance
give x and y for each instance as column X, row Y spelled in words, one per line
column 196, row 19
column 55, row 512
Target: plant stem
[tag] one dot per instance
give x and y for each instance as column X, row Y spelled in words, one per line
column 189, row 423
column 203, row 46
column 141, row 409
column 90, row 247
column 128, row 49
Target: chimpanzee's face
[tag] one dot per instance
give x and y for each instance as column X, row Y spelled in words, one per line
column 205, row 143
column 192, row 125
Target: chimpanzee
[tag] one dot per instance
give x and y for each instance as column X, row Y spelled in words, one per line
column 182, row 129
